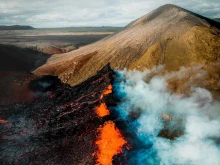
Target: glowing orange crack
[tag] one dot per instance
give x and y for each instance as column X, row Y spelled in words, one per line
column 3, row 121
column 110, row 140
column 110, row 143
column 107, row 91
column 102, row 110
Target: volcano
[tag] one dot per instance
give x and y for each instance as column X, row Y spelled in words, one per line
column 91, row 111
column 169, row 36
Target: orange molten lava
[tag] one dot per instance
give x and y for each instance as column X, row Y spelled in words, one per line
column 102, row 110
column 110, row 143
column 107, row 91
column 3, row 121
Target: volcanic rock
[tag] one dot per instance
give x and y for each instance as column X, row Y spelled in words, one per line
column 58, row 128
column 169, row 36
column 18, row 59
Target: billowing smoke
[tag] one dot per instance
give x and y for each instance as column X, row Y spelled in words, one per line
column 167, row 128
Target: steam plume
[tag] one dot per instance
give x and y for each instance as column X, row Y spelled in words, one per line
column 169, row 128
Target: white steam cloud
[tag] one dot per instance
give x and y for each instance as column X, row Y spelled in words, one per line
column 195, row 117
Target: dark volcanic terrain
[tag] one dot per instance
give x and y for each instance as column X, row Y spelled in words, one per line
column 58, row 128
column 142, row 95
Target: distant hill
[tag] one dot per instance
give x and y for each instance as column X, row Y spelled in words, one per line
column 88, row 29
column 217, row 19
column 95, row 29
column 16, row 27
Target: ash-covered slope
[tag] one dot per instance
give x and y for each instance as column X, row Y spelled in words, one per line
column 168, row 35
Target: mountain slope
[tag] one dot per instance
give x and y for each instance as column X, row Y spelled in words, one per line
column 168, row 35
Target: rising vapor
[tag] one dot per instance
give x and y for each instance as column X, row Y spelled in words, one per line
column 168, row 128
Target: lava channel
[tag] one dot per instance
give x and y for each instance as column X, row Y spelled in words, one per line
column 110, row 143
column 110, row 140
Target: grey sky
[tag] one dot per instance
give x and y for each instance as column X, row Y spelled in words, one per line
column 64, row 13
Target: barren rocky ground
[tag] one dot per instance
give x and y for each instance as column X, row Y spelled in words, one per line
column 50, row 41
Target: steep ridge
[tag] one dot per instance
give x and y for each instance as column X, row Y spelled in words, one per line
column 169, row 35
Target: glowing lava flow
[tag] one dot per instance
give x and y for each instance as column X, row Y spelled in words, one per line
column 3, row 121
column 110, row 140
column 107, row 91
column 102, row 110
column 109, row 144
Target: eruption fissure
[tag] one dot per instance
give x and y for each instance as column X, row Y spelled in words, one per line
column 110, row 143
column 77, row 125
column 102, row 110
column 61, row 129
column 110, row 140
